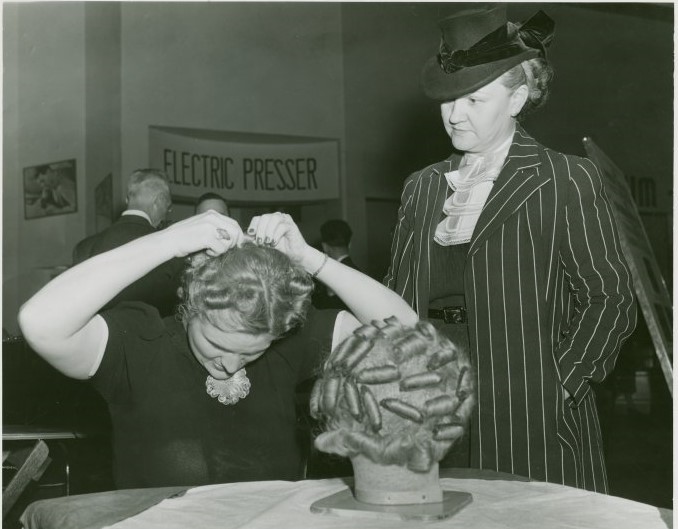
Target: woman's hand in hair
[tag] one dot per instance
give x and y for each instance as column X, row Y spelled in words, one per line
column 210, row 232
column 279, row 231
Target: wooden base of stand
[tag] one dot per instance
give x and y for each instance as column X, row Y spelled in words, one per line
column 344, row 504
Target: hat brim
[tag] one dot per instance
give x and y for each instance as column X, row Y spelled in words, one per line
column 441, row 86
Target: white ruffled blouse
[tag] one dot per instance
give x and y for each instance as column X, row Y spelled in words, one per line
column 471, row 185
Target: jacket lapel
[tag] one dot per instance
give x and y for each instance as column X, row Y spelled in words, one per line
column 518, row 179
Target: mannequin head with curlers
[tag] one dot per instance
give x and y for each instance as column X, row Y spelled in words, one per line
column 394, row 399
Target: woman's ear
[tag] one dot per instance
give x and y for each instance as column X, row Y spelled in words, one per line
column 518, row 99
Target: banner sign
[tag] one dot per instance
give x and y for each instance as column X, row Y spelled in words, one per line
column 653, row 296
column 246, row 167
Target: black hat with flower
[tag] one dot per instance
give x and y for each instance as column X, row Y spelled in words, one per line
column 478, row 44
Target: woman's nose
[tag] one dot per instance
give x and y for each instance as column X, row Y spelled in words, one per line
column 231, row 363
column 455, row 111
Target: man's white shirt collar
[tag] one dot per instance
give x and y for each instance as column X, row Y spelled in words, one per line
column 138, row 213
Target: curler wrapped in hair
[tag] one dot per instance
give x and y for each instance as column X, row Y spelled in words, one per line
column 330, row 394
column 358, row 352
column 352, row 399
column 420, row 381
column 441, row 405
column 402, row 409
column 378, row 375
column 337, row 356
column 371, row 408
column 366, row 332
column 442, row 357
column 315, row 399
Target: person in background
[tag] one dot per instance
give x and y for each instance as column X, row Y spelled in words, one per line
column 148, row 203
column 83, row 249
column 335, row 238
column 207, row 398
column 211, row 201
column 513, row 246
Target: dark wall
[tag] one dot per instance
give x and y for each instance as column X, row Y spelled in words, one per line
column 614, row 82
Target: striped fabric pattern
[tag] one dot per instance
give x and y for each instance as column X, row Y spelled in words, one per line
column 550, row 301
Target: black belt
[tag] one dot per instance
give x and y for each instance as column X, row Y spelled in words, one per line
column 456, row 314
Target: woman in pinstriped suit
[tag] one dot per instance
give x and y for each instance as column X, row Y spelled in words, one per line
column 511, row 246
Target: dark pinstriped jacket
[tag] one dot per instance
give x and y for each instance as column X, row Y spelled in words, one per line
column 550, row 301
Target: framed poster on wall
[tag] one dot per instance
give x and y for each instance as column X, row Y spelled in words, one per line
column 50, row 189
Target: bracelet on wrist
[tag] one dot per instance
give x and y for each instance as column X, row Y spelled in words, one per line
column 322, row 265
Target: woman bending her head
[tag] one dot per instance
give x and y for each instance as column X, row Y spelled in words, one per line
column 208, row 396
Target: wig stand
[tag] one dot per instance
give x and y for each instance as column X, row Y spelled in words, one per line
column 393, row 492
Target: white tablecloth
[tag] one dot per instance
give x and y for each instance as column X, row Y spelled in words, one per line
column 496, row 505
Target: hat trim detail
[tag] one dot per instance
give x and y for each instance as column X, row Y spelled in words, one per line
column 506, row 41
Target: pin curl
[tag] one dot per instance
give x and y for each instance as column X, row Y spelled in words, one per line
column 402, row 409
column 462, row 392
column 363, row 443
column 440, row 406
column 330, row 393
column 390, row 330
column 465, row 408
column 407, row 347
column 392, row 320
column 426, row 329
column 378, row 375
column 314, row 401
column 441, row 357
column 420, row 381
column 379, row 324
column 447, row 432
column 353, row 358
column 352, row 399
column 340, row 352
column 371, row 408
column 366, row 332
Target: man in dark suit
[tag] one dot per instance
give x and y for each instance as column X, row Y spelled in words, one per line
column 211, row 201
column 148, row 203
column 83, row 250
column 335, row 236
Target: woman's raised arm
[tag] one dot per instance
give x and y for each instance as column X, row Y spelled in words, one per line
column 366, row 298
column 60, row 321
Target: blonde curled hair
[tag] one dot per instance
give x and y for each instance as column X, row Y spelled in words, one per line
column 394, row 394
column 536, row 74
column 252, row 289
